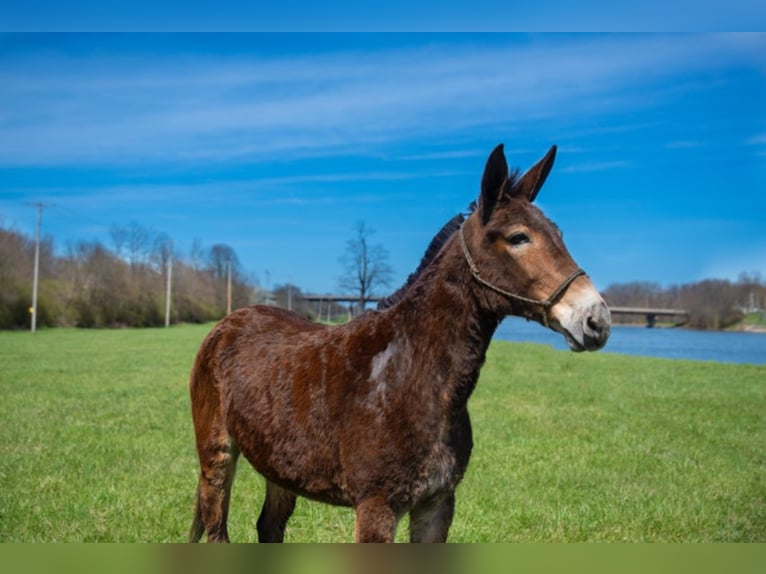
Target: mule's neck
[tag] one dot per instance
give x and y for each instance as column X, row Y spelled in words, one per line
column 449, row 324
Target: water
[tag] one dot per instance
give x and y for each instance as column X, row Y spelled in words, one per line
column 749, row 348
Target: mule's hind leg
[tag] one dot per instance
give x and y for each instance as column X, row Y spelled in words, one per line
column 430, row 520
column 277, row 509
column 218, row 460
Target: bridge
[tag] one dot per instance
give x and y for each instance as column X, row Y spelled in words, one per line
column 339, row 298
column 649, row 313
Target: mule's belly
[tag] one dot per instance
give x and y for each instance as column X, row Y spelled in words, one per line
column 291, row 454
column 315, row 488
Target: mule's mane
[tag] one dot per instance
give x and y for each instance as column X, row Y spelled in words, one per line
column 447, row 230
column 438, row 241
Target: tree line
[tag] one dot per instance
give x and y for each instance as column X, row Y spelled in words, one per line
column 92, row 285
column 711, row 303
column 124, row 284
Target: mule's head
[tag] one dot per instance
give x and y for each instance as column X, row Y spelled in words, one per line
column 520, row 262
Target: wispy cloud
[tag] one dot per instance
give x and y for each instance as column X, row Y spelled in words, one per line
column 446, row 155
column 684, row 144
column 299, row 189
column 595, row 166
column 63, row 109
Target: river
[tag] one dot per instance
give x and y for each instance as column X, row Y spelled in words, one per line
column 724, row 347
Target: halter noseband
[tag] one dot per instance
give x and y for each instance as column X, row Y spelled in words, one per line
column 546, row 304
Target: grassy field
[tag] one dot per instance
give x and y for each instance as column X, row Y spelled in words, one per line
column 96, row 445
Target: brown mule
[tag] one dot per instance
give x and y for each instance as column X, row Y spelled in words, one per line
column 372, row 414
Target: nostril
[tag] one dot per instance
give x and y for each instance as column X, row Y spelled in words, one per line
column 597, row 325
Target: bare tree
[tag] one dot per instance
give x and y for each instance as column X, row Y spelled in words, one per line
column 197, row 254
column 365, row 266
column 119, row 238
column 162, row 251
column 221, row 260
column 136, row 239
column 220, row 256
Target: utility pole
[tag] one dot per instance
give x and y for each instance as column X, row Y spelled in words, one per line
column 168, row 289
column 33, row 309
column 228, row 286
column 269, row 294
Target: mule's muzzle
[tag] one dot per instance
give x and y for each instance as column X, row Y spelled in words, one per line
column 596, row 328
column 583, row 319
column 589, row 330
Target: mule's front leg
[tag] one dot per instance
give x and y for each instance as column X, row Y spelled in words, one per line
column 277, row 509
column 430, row 520
column 375, row 521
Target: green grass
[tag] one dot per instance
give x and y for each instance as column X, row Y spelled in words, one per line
column 755, row 319
column 96, row 444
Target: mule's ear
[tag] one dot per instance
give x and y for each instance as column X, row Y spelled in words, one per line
column 495, row 174
column 530, row 183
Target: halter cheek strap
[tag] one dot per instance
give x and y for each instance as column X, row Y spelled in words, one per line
column 546, row 304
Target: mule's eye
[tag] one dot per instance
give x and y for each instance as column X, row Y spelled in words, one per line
column 517, row 239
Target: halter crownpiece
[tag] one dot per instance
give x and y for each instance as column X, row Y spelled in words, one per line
column 546, row 304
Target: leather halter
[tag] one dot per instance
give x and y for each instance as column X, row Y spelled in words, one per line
column 546, row 304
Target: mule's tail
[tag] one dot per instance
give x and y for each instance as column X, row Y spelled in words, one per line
column 197, row 527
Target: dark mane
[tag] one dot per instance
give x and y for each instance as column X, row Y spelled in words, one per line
column 433, row 248
column 437, row 243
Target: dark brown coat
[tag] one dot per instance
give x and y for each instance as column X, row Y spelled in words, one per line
column 373, row 414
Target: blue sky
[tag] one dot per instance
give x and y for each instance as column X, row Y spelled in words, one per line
column 277, row 144
column 382, row 15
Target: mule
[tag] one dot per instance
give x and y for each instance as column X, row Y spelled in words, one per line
column 373, row 414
